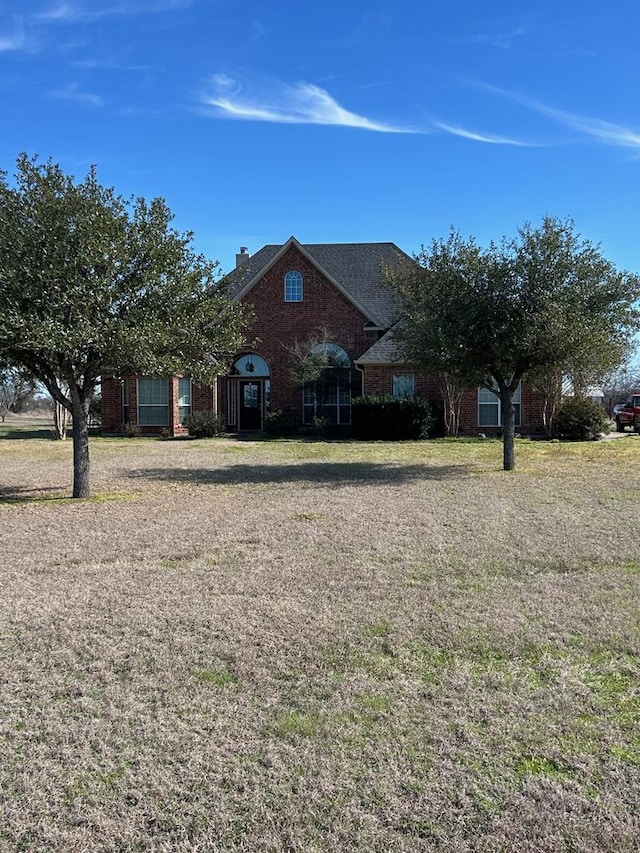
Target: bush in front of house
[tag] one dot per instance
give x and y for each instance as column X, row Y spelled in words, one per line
column 580, row 419
column 281, row 422
column 320, row 427
column 385, row 418
column 204, row 424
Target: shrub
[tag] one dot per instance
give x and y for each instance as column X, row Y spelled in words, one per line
column 204, row 424
column 281, row 422
column 320, row 427
column 579, row 419
column 383, row 417
column 131, row 430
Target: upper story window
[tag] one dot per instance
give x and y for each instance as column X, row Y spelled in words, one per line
column 293, row 286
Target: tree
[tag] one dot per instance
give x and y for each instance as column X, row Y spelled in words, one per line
column 322, row 370
column 89, row 280
column 17, row 390
column 543, row 302
column 548, row 382
column 61, row 416
column 452, row 389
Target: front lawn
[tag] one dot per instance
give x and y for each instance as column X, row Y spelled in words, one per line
column 320, row 646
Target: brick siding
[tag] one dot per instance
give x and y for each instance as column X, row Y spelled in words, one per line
column 276, row 327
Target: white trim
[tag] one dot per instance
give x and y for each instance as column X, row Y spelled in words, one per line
column 190, row 406
column 289, row 285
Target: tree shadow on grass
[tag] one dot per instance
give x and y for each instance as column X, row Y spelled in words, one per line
column 25, row 432
column 315, row 473
column 20, row 494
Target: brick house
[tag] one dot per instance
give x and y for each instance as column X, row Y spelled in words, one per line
column 329, row 296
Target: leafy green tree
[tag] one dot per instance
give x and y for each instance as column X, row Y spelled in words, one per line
column 89, row 280
column 541, row 302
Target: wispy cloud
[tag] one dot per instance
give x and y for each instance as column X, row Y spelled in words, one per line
column 68, row 12
column 60, row 12
column 607, row 132
column 72, row 92
column 491, row 139
column 258, row 29
column 108, row 65
column 504, row 41
column 13, row 41
column 300, row 103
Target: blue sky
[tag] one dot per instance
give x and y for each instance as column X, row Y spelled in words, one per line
column 337, row 121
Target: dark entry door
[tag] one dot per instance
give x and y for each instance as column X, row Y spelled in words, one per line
column 250, row 405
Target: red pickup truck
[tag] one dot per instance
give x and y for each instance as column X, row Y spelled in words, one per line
column 629, row 414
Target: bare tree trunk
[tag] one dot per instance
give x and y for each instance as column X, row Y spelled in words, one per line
column 509, row 430
column 452, row 390
column 81, row 467
column 60, row 421
column 551, row 389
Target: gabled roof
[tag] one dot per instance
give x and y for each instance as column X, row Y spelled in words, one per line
column 356, row 269
column 386, row 350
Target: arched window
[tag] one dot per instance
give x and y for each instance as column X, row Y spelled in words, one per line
column 293, row 286
column 251, row 365
column 328, row 393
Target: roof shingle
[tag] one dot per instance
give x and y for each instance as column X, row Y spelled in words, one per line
column 359, row 268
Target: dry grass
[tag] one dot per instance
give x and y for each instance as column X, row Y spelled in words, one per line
column 290, row 646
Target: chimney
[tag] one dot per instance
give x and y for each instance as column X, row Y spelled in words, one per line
column 242, row 257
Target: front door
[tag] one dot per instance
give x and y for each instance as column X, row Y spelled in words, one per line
column 250, row 414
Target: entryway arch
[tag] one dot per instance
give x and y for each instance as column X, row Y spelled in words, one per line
column 252, row 378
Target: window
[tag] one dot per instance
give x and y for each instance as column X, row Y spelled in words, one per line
column 126, row 411
column 153, row 401
column 404, row 385
column 251, row 365
column 293, row 286
column 490, row 407
column 251, row 398
column 184, row 398
column 329, row 396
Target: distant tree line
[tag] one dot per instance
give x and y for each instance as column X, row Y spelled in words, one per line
column 18, row 392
